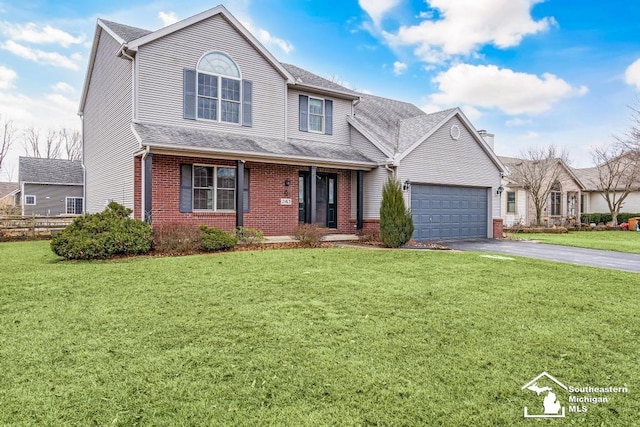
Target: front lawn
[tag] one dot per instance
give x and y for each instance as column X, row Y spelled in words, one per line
column 621, row 241
column 310, row 337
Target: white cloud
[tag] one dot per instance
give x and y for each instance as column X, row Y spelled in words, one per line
column 464, row 26
column 399, row 68
column 63, row 87
column 376, row 9
column 632, row 74
column 267, row 39
column 7, row 76
column 168, row 18
column 488, row 86
column 517, row 122
column 34, row 33
column 49, row 58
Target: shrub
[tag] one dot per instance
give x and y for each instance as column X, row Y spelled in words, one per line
column 214, row 239
column 309, row 235
column 103, row 235
column 532, row 230
column 604, row 218
column 248, row 235
column 396, row 222
column 176, row 238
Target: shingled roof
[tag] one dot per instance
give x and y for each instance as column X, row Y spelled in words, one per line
column 307, row 78
column 125, row 32
column 7, row 188
column 180, row 137
column 396, row 124
column 50, row 171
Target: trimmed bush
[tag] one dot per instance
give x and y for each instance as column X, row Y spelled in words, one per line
column 214, row 239
column 248, row 235
column 309, row 235
column 533, row 230
column 176, row 238
column 103, row 235
column 605, row 218
column 396, row 222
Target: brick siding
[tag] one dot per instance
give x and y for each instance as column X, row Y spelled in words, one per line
column 267, row 187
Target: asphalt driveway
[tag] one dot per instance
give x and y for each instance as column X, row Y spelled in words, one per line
column 591, row 257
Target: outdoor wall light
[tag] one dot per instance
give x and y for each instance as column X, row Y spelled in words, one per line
column 499, row 190
column 287, row 182
column 406, row 185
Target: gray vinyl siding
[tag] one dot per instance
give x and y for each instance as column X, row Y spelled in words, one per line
column 363, row 145
column 373, row 182
column 109, row 144
column 160, row 79
column 50, row 198
column 341, row 109
column 443, row 160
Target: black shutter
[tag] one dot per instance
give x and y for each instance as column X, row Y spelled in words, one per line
column 304, row 113
column 328, row 117
column 186, row 188
column 189, row 95
column 247, row 101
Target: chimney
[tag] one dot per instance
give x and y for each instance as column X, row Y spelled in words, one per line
column 488, row 137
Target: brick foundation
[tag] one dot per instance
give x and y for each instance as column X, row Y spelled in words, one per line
column 497, row 228
column 266, row 188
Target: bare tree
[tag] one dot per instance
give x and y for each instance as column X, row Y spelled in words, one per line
column 52, row 145
column 31, row 142
column 72, row 142
column 8, row 133
column 618, row 173
column 538, row 171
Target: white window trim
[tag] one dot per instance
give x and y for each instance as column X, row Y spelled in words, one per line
column 551, row 203
column 26, row 197
column 66, row 205
column 219, row 93
column 309, row 115
column 515, row 202
column 215, row 187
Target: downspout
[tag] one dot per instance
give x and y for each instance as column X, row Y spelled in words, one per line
column 84, row 172
column 142, row 182
column 123, row 52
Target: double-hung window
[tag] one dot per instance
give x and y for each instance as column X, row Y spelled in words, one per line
column 29, row 200
column 316, row 115
column 511, row 202
column 556, row 199
column 215, row 91
column 207, row 188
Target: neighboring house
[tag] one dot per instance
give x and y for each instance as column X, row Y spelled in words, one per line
column 592, row 199
column 9, row 194
column 563, row 204
column 198, row 123
column 50, row 187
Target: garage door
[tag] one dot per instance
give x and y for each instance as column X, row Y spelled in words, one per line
column 448, row 213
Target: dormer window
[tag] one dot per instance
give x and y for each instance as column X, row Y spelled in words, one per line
column 215, row 91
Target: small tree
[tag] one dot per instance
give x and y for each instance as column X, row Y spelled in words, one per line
column 396, row 221
column 537, row 171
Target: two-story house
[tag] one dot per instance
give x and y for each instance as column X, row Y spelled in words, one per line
column 199, row 123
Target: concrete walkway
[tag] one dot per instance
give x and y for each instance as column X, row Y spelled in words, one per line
column 591, row 257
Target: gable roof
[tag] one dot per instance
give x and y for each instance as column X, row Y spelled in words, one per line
column 7, row 188
column 514, row 161
column 122, row 33
column 309, row 81
column 397, row 127
column 182, row 138
column 50, row 171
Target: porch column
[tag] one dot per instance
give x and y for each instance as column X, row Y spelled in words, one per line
column 312, row 200
column 359, row 199
column 148, row 194
column 240, row 193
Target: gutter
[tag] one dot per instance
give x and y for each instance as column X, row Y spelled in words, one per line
column 142, row 186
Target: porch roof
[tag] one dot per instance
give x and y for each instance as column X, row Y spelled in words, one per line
column 244, row 147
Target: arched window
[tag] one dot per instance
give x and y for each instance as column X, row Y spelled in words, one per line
column 556, row 199
column 219, row 85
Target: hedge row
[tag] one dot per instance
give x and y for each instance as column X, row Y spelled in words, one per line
column 604, row 218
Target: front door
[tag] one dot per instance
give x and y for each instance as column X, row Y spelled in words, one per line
column 326, row 199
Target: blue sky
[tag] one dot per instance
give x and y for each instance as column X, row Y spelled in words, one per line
column 531, row 72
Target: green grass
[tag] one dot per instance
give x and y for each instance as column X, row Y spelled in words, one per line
column 621, row 241
column 308, row 338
